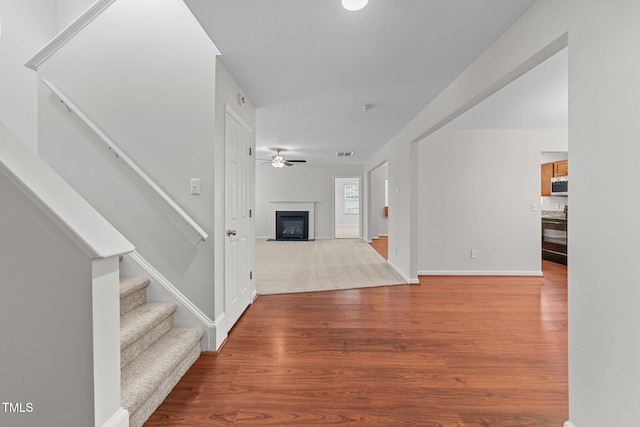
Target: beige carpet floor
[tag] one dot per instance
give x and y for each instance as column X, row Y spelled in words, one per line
column 322, row 265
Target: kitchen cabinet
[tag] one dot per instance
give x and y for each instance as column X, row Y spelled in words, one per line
column 546, row 173
column 561, row 168
column 551, row 170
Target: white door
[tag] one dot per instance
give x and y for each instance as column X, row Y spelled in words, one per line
column 238, row 246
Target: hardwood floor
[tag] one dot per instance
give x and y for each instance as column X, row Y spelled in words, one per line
column 452, row 351
column 381, row 245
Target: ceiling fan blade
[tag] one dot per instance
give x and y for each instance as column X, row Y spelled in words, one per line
column 297, row 161
column 288, row 163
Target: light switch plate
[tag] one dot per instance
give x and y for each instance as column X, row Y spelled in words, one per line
column 195, row 186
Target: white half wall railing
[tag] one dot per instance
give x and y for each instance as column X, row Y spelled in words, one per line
column 122, row 155
column 68, row 33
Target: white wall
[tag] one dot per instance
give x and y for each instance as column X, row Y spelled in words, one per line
column 26, row 27
column 604, row 374
column 69, row 10
column 144, row 72
column 299, row 183
column 553, row 156
column 476, row 191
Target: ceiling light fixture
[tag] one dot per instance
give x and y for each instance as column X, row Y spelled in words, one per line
column 354, row 5
column 277, row 161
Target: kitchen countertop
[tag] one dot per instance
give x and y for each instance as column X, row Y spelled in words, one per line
column 558, row 215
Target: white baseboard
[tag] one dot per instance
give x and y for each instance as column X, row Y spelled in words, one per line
column 120, row 418
column 568, row 424
column 401, row 273
column 478, row 273
column 220, row 333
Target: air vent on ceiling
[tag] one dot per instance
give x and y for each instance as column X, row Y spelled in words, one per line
column 345, row 153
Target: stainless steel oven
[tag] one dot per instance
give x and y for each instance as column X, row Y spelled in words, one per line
column 554, row 240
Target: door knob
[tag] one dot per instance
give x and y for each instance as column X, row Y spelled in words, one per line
column 231, row 232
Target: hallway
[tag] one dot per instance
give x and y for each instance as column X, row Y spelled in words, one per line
column 473, row 351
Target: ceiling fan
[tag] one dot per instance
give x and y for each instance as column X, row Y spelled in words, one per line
column 278, row 160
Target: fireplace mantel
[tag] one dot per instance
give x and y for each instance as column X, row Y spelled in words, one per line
column 292, row 206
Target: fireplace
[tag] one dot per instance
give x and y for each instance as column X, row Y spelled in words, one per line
column 296, row 208
column 292, row 225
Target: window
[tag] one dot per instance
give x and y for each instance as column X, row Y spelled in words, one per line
column 351, row 199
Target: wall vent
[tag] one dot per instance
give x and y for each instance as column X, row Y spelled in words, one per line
column 345, row 153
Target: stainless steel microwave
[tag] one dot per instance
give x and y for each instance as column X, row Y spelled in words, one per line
column 560, row 186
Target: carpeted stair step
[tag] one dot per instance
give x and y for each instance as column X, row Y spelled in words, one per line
column 142, row 326
column 148, row 379
column 132, row 293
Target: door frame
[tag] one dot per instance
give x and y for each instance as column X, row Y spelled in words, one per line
column 370, row 208
column 251, row 202
column 360, row 205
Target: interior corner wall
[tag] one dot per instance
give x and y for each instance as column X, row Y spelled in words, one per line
column 400, row 154
column 144, row 72
column 26, row 27
column 476, row 191
column 299, row 183
column 604, row 374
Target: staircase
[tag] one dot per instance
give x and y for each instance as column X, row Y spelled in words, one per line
column 154, row 355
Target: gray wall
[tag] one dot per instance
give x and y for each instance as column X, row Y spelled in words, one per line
column 46, row 326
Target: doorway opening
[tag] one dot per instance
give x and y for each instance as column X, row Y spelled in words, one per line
column 378, row 209
column 347, row 208
column 554, row 205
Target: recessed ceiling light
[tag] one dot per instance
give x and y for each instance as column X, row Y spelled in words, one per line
column 354, row 5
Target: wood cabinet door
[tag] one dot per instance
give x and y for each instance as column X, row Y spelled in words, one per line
column 561, row 168
column 546, row 173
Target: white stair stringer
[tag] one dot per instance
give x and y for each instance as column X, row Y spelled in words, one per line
column 154, row 354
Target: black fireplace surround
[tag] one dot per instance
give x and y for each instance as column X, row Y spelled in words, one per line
column 292, row 225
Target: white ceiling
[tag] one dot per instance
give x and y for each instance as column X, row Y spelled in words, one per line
column 309, row 65
column 537, row 100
